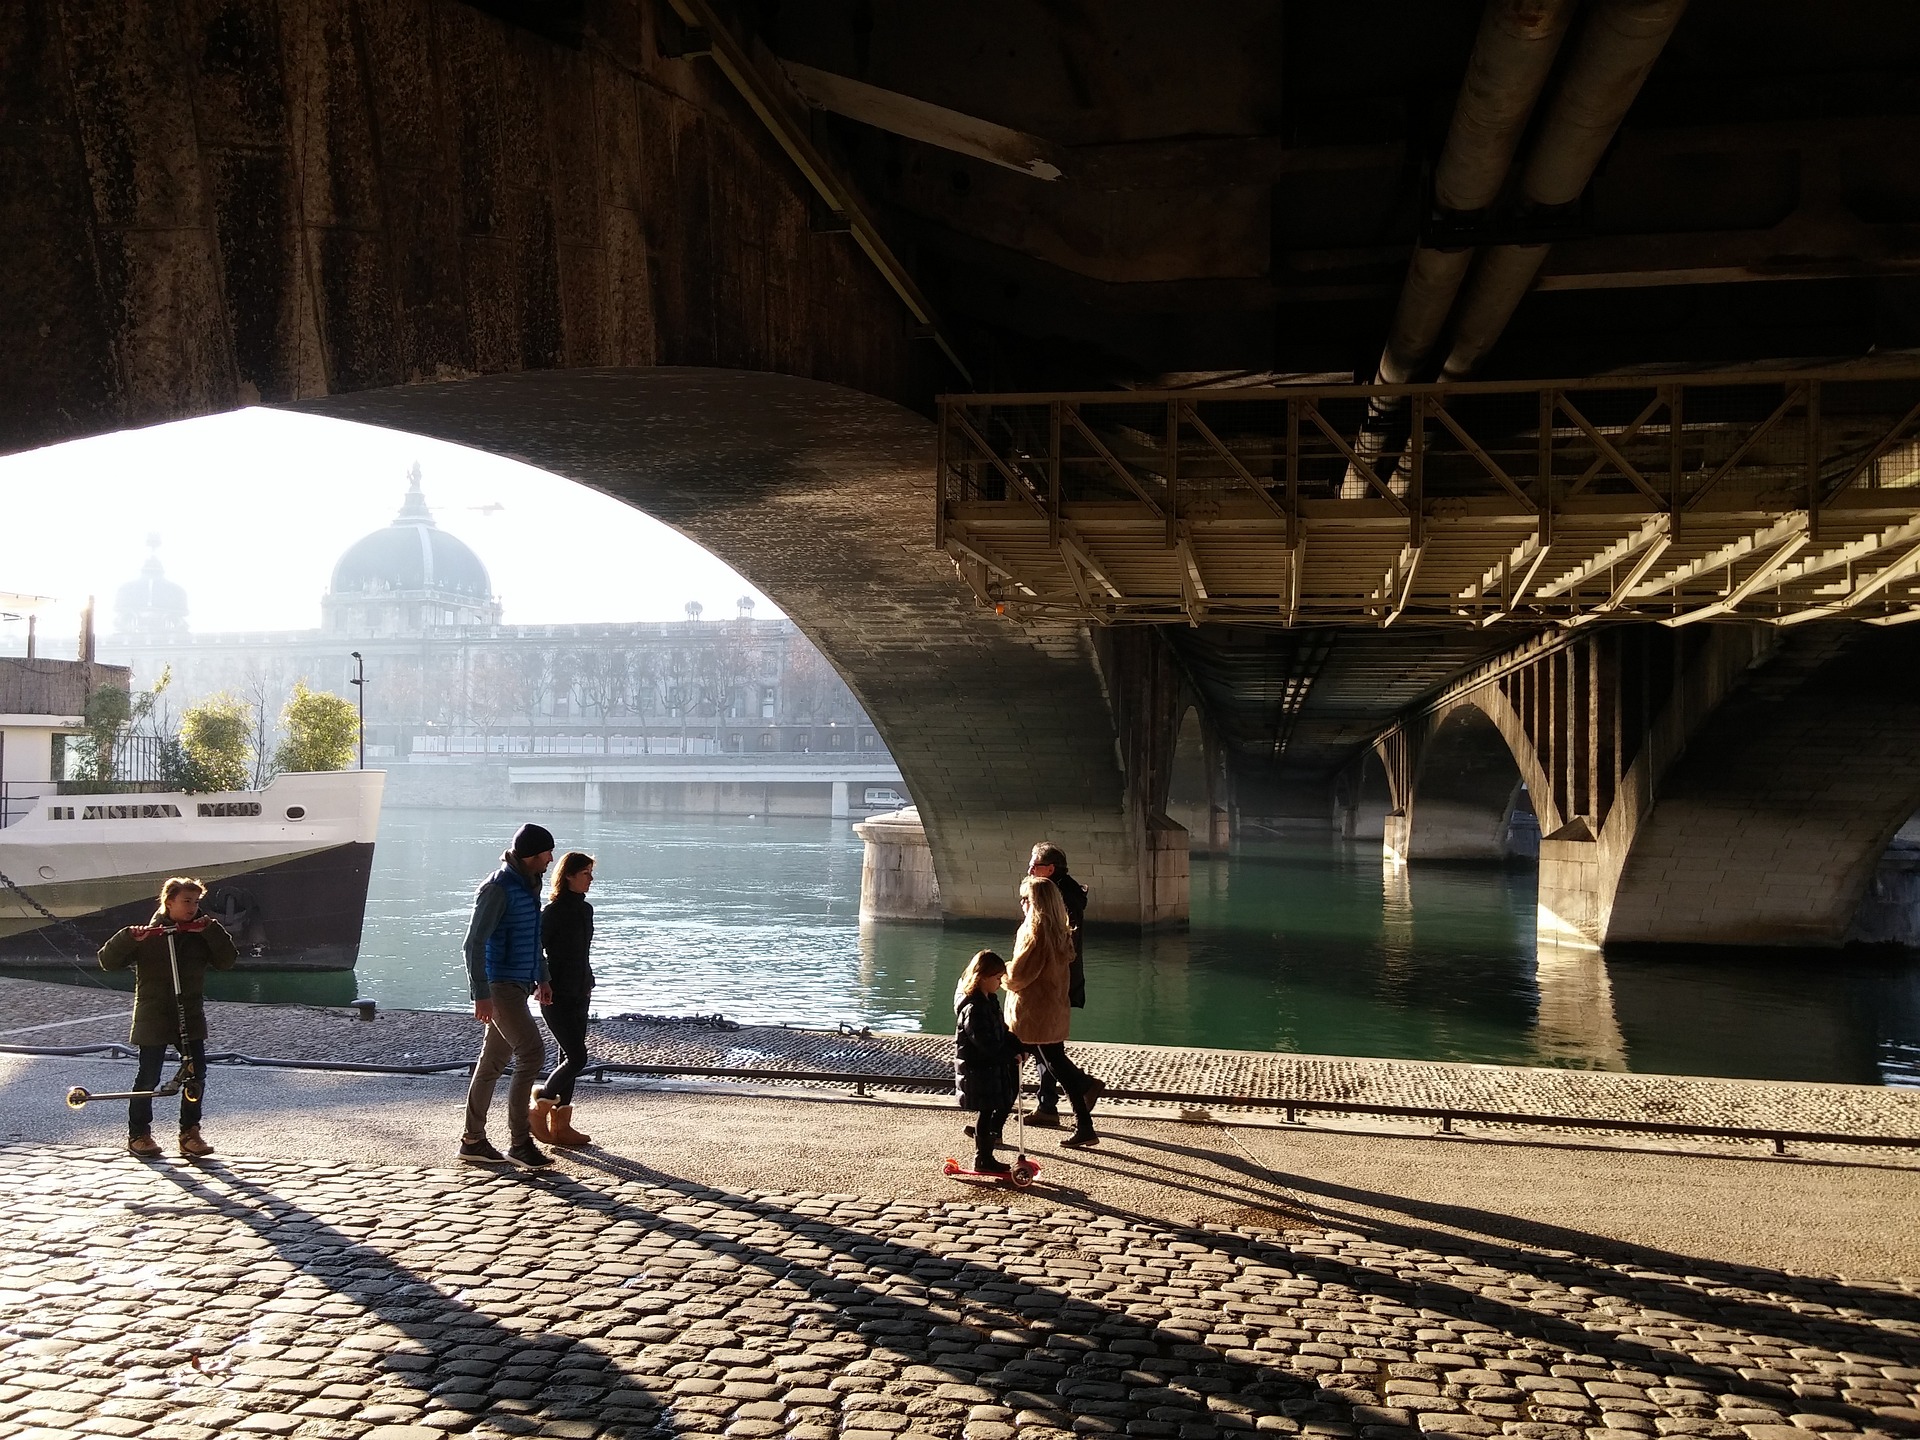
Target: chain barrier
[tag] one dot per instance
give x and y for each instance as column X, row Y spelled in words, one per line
column 87, row 947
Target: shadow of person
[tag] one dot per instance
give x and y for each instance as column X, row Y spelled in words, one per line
column 1736, row 1294
column 935, row 1295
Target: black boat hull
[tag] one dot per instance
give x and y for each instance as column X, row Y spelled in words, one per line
column 303, row 912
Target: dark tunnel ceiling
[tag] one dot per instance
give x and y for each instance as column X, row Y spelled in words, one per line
column 1241, row 188
column 1300, row 703
column 1243, row 183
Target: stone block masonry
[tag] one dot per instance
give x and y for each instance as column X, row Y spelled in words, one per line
column 1005, row 732
column 264, row 204
column 1729, row 787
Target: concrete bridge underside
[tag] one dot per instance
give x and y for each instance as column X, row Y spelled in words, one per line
column 450, row 217
column 1730, row 785
column 275, row 203
column 1006, row 733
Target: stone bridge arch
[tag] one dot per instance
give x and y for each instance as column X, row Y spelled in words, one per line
column 1769, row 828
column 1006, row 731
column 1724, row 784
column 1198, row 796
column 1455, row 778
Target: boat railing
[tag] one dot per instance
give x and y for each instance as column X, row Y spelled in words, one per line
column 18, row 798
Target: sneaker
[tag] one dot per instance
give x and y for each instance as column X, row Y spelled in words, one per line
column 480, row 1152
column 529, row 1154
column 1082, row 1138
column 192, row 1146
column 145, row 1146
column 1045, row 1116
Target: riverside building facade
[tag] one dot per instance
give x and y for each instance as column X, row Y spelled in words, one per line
column 463, row 708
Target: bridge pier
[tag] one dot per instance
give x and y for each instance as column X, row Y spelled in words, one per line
column 1890, row 915
column 897, row 879
column 1727, row 784
column 1006, row 731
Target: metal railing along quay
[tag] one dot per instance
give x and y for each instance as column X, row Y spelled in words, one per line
column 863, row 1082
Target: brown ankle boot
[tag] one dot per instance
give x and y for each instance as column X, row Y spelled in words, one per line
column 563, row 1131
column 540, row 1121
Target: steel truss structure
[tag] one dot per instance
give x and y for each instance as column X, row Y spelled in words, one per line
column 1784, row 497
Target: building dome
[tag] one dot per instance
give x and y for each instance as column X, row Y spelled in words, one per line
column 152, row 604
column 408, row 578
column 410, row 554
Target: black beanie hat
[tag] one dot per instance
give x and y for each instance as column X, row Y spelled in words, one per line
column 531, row 839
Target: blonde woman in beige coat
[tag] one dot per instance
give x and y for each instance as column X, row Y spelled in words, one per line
column 1038, row 1007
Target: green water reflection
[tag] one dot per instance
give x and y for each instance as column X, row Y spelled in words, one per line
column 1304, row 946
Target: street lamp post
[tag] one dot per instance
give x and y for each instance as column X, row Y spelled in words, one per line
column 359, row 683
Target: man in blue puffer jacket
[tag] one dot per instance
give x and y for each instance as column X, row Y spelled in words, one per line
column 506, row 968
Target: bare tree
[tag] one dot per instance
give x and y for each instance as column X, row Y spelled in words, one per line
column 736, row 664
column 603, row 676
column 645, row 674
column 527, row 675
column 486, row 695
column 807, row 682
column 680, row 667
column 261, row 696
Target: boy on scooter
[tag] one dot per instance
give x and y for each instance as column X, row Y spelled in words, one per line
column 178, row 941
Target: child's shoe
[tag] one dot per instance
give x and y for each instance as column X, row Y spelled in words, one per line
column 192, row 1146
column 988, row 1163
column 145, row 1146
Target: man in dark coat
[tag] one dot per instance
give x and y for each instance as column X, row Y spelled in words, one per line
column 199, row 943
column 1049, row 862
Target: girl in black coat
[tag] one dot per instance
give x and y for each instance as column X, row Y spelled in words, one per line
column 986, row 1057
column 566, row 936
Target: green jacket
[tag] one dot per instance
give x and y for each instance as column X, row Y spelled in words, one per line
column 144, row 948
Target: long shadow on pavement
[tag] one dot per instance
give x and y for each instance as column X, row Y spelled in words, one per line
column 1054, row 1354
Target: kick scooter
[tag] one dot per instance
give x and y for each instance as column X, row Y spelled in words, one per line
column 1024, row 1168
column 187, row 1079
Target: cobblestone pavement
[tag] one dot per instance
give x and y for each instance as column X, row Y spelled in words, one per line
column 173, row 1302
column 444, row 1037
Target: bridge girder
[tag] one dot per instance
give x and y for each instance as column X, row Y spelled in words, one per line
column 1780, row 498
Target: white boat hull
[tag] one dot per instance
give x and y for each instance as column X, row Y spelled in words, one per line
column 287, row 868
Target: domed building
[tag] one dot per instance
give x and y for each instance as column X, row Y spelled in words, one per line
column 151, row 606
column 447, row 684
column 407, row 579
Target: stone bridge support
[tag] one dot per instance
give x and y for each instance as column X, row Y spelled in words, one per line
column 1200, row 786
column 1006, row 732
column 1362, row 800
column 1723, row 784
column 429, row 217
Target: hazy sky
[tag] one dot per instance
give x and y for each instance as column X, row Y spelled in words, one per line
column 252, row 509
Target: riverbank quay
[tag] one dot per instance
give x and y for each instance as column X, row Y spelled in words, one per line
column 52, row 1015
column 794, row 1265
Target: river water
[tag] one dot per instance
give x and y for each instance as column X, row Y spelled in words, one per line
column 1307, row 946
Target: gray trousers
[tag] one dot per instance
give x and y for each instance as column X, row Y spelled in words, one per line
column 512, row 1034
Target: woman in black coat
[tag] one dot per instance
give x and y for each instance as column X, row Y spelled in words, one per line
column 566, row 936
column 986, row 1057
